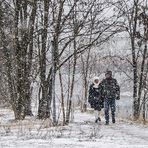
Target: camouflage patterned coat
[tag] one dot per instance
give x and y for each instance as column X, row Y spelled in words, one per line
column 110, row 89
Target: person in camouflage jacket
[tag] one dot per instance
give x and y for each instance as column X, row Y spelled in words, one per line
column 95, row 98
column 110, row 93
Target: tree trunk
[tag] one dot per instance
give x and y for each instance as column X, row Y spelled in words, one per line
column 74, row 70
column 134, row 62
column 62, row 97
column 43, row 102
column 141, row 81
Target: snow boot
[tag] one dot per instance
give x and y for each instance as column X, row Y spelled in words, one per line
column 113, row 121
column 98, row 119
column 106, row 123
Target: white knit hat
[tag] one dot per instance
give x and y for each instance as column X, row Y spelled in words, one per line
column 95, row 84
column 95, row 78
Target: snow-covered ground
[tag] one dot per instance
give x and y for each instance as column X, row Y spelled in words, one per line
column 82, row 132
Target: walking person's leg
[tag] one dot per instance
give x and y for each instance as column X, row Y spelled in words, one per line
column 97, row 116
column 113, row 109
column 106, row 110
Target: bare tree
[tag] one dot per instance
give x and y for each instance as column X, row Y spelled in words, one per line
column 18, row 51
column 58, row 32
column 135, row 17
column 67, row 25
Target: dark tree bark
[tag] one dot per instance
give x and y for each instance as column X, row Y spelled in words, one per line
column 18, row 51
column 43, row 102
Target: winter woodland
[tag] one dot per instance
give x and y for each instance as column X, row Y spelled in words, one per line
column 50, row 50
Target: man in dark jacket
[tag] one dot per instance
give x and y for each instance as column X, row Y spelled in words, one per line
column 95, row 99
column 110, row 92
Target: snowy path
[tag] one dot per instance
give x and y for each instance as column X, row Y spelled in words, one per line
column 83, row 132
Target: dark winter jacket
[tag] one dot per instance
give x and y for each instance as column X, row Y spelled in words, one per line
column 110, row 88
column 95, row 98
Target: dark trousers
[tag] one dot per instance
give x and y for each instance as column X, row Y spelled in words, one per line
column 109, row 104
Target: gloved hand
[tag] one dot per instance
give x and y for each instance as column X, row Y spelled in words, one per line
column 118, row 98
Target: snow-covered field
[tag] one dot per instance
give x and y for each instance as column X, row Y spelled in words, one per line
column 82, row 132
